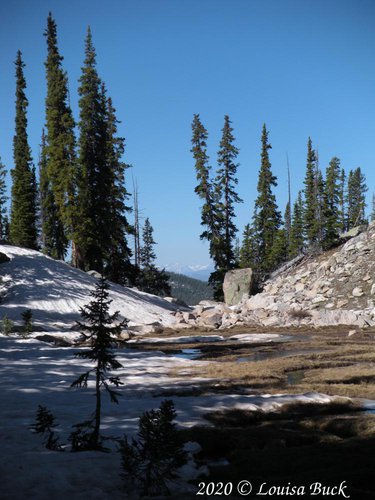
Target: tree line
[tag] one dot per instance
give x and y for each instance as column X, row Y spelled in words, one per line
column 80, row 206
column 327, row 206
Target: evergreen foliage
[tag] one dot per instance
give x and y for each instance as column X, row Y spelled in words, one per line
column 98, row 328
column 372, row 216
column 27, row 318
column 189, row 290
column 6, row 325
column 44, row 424
column 267, row 218
column 151, row 461
column 310, row 192
column 247, row 251
column 50, row 227
column 297, row 230
column 58, row 151
column 356, row 198
column 23, row 228
column 342, row 201
column 118, row 267
column 288, row 223
column 150, row 278
column 332, row 214
column 3, row 200
column 227, row 196
column 92, row 230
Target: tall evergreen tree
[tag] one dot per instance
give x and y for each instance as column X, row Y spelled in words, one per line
column 356, row 198
column 267, row 218
column 205, row 189
column 3, row 200
column 288, row 222
column 50, row 227
column 225, row 183
column 342, row 222
column 296, row 234
column 60, row 146
column 92, row 231
column 247, row 250
column 118, row 267
column 151, row 279
column 310, row 191
column 332, row 214
column 23, row 228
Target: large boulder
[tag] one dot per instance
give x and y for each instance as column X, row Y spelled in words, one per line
column 3, row 258
column 237, row 284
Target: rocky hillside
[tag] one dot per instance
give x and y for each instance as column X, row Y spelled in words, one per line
column 336, row 287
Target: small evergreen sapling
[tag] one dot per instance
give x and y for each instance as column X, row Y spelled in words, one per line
column 151, row 460
column 99, row 331
column 44, row 423
column 6, row 325
column 27, row 317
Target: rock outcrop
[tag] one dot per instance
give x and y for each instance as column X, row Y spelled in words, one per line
column 334, row 288
column 237, row 285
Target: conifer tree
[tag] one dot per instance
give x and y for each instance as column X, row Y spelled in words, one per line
column 50, row 226
column 98, row 328
column 342, row 224
column 92, row 229
column 205, row 189
column 59, row 147
column 118, row 267
column 332, row 215
column 356, row 198
column 296, row 234
column 267, row 218
column 247, row 248
column 311, row 225
column 3, row 200
column 151, row 279
column 225, row 183
column 23, row 228
column 288, row 222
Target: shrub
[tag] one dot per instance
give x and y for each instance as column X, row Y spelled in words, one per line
column 152, row 459
column 6, row 325
column 27, row 317
column 44, row 423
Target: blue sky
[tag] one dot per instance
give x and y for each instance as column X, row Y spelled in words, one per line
column 303, row 67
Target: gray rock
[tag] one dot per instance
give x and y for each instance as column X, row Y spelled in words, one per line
column 237, row 284
column 357, row 291
column 3, row 258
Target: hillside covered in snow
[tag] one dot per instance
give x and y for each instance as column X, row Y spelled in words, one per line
column 55, row 292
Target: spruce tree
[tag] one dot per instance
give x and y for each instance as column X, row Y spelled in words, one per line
column 59, row 147
column 205, row 189
column 356, row 198
column 50, row 227
column 3, row 200
column 297, row 230
column 267, row 218
column 342, row 201
column 92, row 229
column 118, row 267
column 151, row 279
column 98, row 328
column 332, row 214
column 227, row 196
column 310, row 191
column 23, row 216
column 247, row 248
column 288, row 222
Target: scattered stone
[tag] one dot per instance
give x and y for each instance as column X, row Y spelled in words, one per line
column 357, row 291
column 352, row 332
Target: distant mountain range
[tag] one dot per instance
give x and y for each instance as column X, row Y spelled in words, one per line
column 197, row 271
column 188, row 289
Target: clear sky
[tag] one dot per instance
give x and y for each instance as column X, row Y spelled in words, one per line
column 303, row 67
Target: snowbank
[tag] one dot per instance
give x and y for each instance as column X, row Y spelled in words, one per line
column 55, row 292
